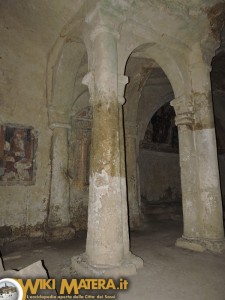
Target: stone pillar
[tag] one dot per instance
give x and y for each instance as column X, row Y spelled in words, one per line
column 189, row 171
column 202, row 204
column 206, row 153
column 132, row 176
column 107, row 236
column 58, row 215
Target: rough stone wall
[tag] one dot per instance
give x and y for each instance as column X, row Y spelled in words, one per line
column 160, row 176
column 30, row 31
column 23, row 102
column 161, row 133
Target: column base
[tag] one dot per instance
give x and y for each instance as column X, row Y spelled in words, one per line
column 59, row 233
column 128, row 267
column 200, row 245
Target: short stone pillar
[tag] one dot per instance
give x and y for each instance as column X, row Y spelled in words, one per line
column 132, row 175
column 107, row 243
column 58, row 226
column 201, row 195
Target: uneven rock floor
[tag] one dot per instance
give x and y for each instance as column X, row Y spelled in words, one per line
column 169, row 273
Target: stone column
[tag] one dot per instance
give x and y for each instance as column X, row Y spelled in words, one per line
column 202, row 204
column 189, row 171
column 132, row 176
column 107, row 236
column 206, row 153
column 58, row 215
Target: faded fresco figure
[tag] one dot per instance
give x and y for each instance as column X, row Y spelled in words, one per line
column 17, row 158
column 161, row 133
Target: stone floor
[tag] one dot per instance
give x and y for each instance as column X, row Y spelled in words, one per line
column 169, row 273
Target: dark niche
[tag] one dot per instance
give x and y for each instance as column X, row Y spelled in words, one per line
column 161, row 133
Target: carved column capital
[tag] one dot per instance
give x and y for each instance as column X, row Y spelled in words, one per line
column 182, row 104
column 184, row 110
column 89, row 81
column 184, row 119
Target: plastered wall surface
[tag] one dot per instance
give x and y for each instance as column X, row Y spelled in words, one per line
column 23, row 102
column 160, row 176
column 28, row 32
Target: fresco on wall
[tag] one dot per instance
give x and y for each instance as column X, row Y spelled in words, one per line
column 80, row 142
column 161, row 133
column 17, row 155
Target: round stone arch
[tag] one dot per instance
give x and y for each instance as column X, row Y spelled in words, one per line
column 158, row 162
column 156, row 92
column 65, row 78
column 163, row 57
column 64, row 62
column 152, row 55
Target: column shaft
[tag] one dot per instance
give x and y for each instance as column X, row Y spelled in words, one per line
column 189, row 178
column 105, row 228
column 201, row 195
column 107, row 246
column 206, row 153
column 210, row 201
column 59, row 198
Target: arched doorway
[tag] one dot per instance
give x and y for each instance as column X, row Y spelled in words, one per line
column 198, row 159
column 159, row 167
column 67, row 100
column 148, row 95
